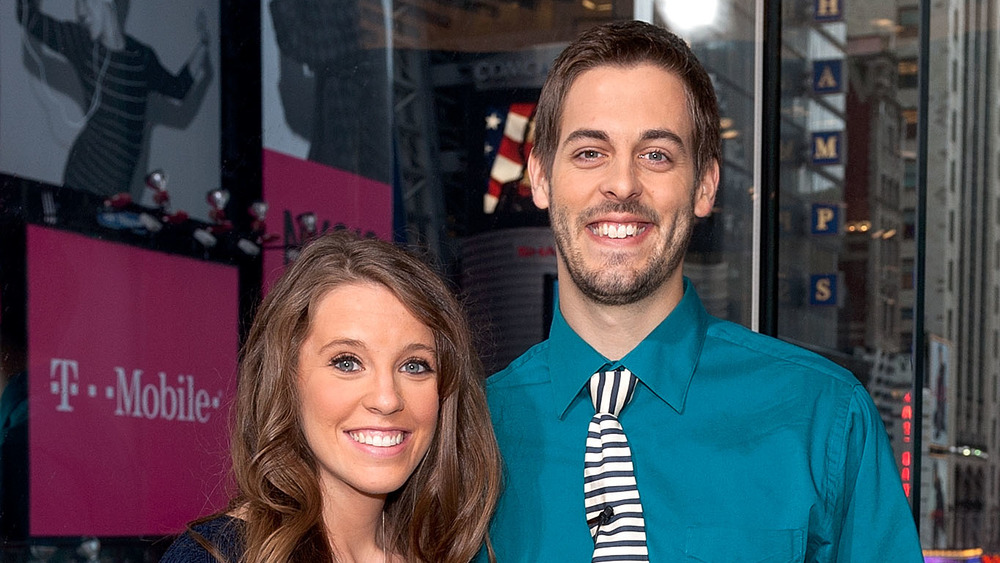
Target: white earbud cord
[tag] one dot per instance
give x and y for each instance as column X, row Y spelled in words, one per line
column 95, row 100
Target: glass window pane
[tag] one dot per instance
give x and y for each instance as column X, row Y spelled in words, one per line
column 960, row 319
column 861, row 288
column 719, row 260
column 474, row 71
column 851, row 249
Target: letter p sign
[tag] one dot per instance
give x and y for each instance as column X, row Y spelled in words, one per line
column 825, row 219
column 827, row 147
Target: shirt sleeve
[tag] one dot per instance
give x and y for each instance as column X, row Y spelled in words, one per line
column 876, row 523
column 66, row 38
column 287, row 29
column 162, row 81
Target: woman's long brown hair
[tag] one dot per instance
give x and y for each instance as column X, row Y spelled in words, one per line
column 442, row 513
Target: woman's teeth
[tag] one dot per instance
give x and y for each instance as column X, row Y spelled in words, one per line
column 377, row 439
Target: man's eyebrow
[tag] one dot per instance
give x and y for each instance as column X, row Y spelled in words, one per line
column 648, row 135
column 587, row 134
column 665, row 134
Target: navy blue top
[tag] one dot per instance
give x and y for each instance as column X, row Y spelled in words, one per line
column 224, row 532
column 745, row 448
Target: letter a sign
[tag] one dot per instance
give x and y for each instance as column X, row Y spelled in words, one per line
column 828, row 76
column 827, row 147
column 828, row 11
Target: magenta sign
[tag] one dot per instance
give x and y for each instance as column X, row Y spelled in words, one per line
column 293, row 186
column 132, row 369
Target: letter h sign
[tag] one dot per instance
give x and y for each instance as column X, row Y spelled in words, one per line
column 827, row 11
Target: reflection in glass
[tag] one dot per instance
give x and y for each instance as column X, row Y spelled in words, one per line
column 720, row 258
column 848, row 242
column 841, row 243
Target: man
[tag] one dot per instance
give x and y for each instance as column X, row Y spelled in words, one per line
column 739, row 447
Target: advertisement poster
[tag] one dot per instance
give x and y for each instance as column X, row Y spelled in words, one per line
column 327, row 112
column 132, row 358
column 939, row 511
column 939, row 377
column 98, row 115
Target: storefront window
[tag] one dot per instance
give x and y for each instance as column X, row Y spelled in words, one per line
column 420, row 113
column 859, row 120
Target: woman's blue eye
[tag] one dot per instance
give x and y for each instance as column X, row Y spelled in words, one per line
column 346, row 363
column 415, row 366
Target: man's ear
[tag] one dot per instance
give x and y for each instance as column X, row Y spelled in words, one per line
column 539, row 183
column 704, row 197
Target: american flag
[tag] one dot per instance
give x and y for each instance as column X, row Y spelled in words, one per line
column 506, row 149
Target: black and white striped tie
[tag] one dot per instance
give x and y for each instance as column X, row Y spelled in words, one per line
column 611, row 497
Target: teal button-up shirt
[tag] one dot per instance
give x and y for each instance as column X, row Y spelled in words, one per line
column 746, row 448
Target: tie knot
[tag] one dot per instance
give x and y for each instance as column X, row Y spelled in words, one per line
column 611, row 390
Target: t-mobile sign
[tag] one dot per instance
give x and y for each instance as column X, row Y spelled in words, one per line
column 132, row 369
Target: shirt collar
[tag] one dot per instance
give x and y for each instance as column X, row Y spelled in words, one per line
column 664, row 361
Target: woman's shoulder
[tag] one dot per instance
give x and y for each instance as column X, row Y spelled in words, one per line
column 224, row 532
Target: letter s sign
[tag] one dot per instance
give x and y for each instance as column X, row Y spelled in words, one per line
column 823, row 289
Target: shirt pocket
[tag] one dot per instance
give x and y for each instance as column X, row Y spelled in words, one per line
column 728, row 545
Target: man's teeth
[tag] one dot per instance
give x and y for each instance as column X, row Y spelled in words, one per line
column 617, row 230
column 377, row 440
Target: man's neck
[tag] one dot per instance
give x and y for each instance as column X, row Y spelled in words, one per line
column 615, row 330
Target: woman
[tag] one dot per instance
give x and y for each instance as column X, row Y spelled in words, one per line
column 361, row 426
column 117, row 73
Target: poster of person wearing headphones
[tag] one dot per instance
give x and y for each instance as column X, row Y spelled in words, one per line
column 95, row 94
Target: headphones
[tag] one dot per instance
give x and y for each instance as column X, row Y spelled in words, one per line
column 95, row 101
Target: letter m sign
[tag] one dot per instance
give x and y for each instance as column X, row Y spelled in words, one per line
column 827, row 147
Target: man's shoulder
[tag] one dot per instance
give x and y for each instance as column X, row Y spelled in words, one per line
column 529, row 367
column 767, row 352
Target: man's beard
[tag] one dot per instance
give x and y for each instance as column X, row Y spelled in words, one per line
column 609, row 284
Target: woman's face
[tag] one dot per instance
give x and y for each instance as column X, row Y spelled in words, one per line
column 94, row 15
column 368, row 390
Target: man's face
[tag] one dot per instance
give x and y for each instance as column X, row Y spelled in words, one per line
column 622, row 195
